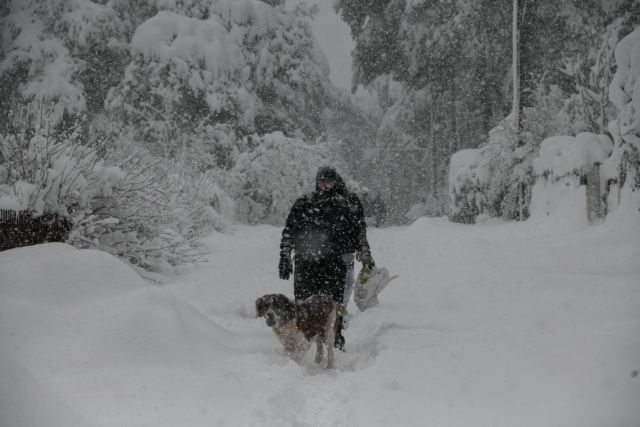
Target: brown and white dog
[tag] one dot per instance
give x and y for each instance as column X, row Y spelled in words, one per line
column 297, row 323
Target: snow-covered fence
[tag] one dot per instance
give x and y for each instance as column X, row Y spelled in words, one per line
column 568, row 176
column 22, row 228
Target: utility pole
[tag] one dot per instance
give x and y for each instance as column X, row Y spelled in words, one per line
column 515, row 39
column 515, row 108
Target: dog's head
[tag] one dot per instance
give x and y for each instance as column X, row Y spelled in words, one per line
column 275, row 308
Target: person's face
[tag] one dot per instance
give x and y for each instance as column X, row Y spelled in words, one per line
column 326, row 184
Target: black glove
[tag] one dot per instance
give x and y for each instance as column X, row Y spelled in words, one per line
column 366, row 259
column 284, row 267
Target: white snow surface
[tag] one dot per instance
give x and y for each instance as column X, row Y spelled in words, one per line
column 498, row 324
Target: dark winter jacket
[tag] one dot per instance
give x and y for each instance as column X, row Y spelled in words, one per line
column 325, row 224
column 357, row 236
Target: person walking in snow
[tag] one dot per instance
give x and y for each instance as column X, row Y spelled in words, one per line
column 321, row 228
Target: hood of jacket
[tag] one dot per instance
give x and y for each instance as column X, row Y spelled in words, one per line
column 328, row 172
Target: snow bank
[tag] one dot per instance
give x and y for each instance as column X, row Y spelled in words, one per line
column 81, row 318
column 626, row 216
column 26, row 402
column 59, row 275
column 496, row 324
column 560, row 204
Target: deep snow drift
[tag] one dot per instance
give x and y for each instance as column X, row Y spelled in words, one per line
column 487, row 325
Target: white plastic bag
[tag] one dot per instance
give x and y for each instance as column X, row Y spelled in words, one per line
column 369, row 284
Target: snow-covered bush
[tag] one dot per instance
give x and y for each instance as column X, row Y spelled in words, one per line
column 494, row 179
column 266, row 180
column 131, row 207
column 468, row 179
column 143, row 214
column 43, row 173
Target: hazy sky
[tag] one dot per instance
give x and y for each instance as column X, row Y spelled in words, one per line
column 335, row 40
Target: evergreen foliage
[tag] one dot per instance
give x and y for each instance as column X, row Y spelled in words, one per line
column 224, row 108
column 453, row 60
column 184, row 97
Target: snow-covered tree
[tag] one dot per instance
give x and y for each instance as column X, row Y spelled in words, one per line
column 267, row 179
column 65, row 54
column 241, row 63
column 187, row 85
column 625, row 95
column 484, row 181
column 460, row 53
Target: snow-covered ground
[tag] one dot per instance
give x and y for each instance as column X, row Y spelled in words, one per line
column 487, row 325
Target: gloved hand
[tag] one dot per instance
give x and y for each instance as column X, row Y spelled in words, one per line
column 284, row 267
column 366, row 259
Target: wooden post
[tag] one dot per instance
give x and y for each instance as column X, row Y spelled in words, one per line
column 594, row 200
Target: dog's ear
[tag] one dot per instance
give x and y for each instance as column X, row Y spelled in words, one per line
column 261, row 307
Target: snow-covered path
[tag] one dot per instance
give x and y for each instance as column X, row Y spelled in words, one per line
column 489, row 325
column 486, row 325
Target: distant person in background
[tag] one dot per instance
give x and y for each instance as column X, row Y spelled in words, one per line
column 366, row 204
column 379, row 211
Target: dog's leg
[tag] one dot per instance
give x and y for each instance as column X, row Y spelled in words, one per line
column 330, row 336
column 319, row 350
